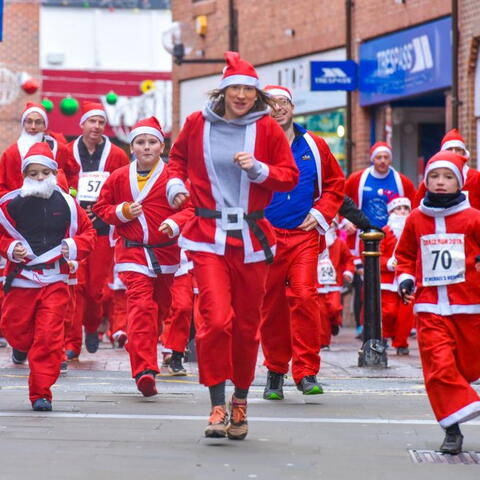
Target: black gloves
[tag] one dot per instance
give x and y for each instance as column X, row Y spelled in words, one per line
column 406, row 288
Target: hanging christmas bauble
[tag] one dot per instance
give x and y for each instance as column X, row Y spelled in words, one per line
column 111, row 97
column 69, row 106
column 28, row 84
column 47, row 104
column 147, row 86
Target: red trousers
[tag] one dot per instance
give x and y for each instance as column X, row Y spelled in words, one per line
column 148, row 303
column 92, row 276
column 330, row 314
column 449, row 349
column 290, row 326
column 176, row 330
column 397, row 319
column 230, row 297
column 118, row 311
column 33, row 320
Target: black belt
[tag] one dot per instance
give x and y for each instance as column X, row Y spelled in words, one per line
column 232, row 218
column 149, row 248
column 22, row 266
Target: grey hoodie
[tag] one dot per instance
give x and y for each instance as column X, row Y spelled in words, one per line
column 227, row 137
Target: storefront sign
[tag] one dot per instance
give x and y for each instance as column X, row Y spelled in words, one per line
column 333, row 75
column 406, row 63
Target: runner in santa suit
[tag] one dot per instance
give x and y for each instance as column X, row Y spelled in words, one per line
column 290, row 329
column 42, row 230
column 397, row 317
column 236, row 156
column 438, row 257
column 97, row 158
column 34, row 124
column 133, row 199
column 454, row 142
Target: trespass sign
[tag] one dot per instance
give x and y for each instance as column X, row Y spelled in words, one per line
column 406, row 63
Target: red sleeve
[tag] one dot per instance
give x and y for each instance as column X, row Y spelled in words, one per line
column 346, row 259
column 68, row 164
column 387, row 247
column 351, row 186
column 333, row 185
column 119, row 158
column 407, row 248
column 86, row 235
column 177, row 163
column 106, row 206
column 10, row 170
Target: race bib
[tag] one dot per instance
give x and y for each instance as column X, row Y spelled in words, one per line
column 326, row 272
column 443, row 258
column 90, row 184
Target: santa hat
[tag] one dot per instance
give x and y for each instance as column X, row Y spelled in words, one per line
column 148, row 125
column 92, row 109
column 380, row 147
column 40, row 153
column 277, row 91
column 238, row 72
column 450, row 160
column 31, row 107
column 398, row 201
column 453, row 138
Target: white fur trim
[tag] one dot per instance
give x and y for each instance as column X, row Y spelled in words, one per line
column 40, row 159
column 144, row 270
column 93, row 113
column 263, row 175
column 398, row 202
column 391, row 264
column 348, row 273
column 10, row 251
column 444, row 164
column 322, row 223
column 72, row 248
column 457, row 144
column 380, row 149
column 141, row 130
column 239, row 80
column 174, row 226
column 278, row 92
column 120, row 216
column 34, row 110
column 174, row 187
column 329, row 289
column 466, row 413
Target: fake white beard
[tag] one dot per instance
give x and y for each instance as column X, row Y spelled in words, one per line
column 396, row 223
column 41, row 189
column 25, row 141
column 330, row 236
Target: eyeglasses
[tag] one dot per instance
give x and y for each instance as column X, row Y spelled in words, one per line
column 282, row 102
column 36, row 123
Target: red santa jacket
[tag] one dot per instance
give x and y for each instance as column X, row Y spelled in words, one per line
column 80, row 238
column 122, row 187
column 472, row 186
column 342, row 262
column 113, row 157
column 11, row 176
column 437, row 251
column 387, row 269
column 188, row 159
column 354, row 189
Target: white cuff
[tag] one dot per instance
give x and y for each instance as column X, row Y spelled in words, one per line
column 405, row 276
column 174, row 187
column 73, row 264
column 391, row 264
column 174, row 226
column 10, row 251
column 72, row 248
column 120, row 215
column 322, row 223
column 263, row 172
column 349, row 274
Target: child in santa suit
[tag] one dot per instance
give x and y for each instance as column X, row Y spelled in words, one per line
column 397, row 317
column 146, row 255
column 437, row 258
column 335, row 268
column 42, row 230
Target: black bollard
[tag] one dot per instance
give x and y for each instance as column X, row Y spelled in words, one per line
column 373, row 352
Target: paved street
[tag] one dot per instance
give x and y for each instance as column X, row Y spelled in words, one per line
column 101, row 428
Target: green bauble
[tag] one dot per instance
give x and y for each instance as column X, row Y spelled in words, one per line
column 69, row 106
column 111, row 97
column 47, row 104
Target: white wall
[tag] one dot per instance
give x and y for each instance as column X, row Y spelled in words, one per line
column 99, row 39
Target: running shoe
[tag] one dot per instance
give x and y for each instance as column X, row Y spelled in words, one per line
column 274, row 387
column 237, row 428
column 217, row 423
column 308, row 385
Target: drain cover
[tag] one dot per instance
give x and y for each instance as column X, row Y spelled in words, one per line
column 431, row 456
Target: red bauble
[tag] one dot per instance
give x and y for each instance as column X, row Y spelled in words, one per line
column 30, row 86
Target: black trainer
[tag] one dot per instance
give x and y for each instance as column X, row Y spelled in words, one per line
column 309, row 386
column 453, row 441
column 71, row 355
column 274, row 387
column 91, row 342
column 335, row 330
column 18, row 357
column 402, row 351
column 175, row 366
column 42, row 405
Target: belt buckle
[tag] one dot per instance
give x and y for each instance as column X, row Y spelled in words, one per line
column 232, row 212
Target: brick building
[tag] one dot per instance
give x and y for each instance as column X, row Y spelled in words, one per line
column 406, row 99
column 19, row 52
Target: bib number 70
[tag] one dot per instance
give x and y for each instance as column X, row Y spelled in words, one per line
column 445, row 258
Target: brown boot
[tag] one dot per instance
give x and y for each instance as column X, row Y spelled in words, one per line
column 238, row 427
column 217, row 423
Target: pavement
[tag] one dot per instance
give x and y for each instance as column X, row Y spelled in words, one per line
column 367, row 425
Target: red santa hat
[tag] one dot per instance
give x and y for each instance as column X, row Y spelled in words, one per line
column 31, row 107
column 238, row 72
column 147, row 125
column 450, row 160
column 398, row 201
column 92, row 109
column 380, row 147
column 277, row 91
column 453, row 138
column 39, row 153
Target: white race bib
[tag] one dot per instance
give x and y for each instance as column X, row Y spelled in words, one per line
column 90, row 184
column 443, row 258
column 326, row 273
